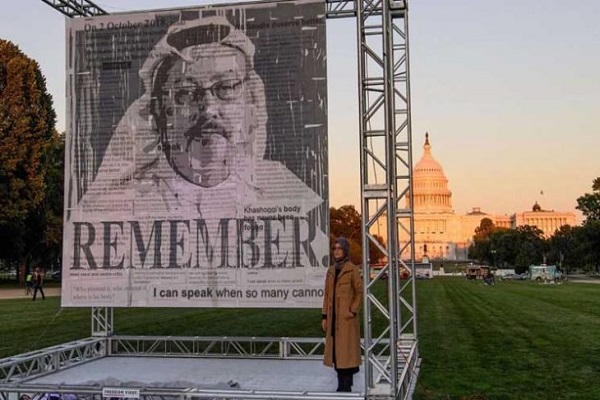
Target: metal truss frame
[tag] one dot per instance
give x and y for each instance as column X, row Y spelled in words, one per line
column 386, row 183
column 95, row 393
column 76, row 8
column 51, row 359
column 219, row 347
column 390, row 353
column 102, row 321
column 15, row 372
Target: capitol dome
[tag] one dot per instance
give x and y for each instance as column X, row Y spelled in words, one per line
column 430, row 185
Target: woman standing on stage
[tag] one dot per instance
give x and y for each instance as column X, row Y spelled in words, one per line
column 341, row 305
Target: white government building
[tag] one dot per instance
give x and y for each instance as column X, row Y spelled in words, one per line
column 441, row 234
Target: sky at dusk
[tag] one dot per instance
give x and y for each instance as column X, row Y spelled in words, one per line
column 509, row 91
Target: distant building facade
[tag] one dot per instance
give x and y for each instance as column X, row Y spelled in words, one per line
column 443, row 235
column 547, row 221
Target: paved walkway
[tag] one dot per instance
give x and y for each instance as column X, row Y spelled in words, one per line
column 583, row 280
column 20, row 293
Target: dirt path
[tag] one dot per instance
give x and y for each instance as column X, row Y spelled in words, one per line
column 20, row 293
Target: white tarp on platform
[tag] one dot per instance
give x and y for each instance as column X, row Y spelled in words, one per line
column 206, row 373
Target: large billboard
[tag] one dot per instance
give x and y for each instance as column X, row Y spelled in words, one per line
column 196, row 158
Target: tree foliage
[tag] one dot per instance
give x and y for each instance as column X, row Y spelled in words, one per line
column 26, row 131
column 517, row 248
column 566, row 249
column 485, row 229
column 576, row 247
column 346, row 221
column 44, row 225
column 588, row 236
column 480, row 249
column 589, row 203
column 28, row 150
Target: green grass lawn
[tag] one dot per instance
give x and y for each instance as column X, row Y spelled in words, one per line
column 515, row 340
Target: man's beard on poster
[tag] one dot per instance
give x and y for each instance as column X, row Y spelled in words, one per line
column 209, row 150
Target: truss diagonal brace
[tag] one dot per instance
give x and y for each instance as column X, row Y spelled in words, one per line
column 76, row 8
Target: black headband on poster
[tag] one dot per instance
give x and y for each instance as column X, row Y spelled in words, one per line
column 198, row 35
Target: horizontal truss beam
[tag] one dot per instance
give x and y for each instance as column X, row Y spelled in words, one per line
column 50, row 359
column 76, row 8
column 87, row 8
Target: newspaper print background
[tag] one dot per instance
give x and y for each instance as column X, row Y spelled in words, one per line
column 138, row 232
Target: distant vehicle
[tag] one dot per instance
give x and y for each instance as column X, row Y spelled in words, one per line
column 56, row 275
column 376, row 267
column 544, row 273
column 522, row 277
column 424, row 270
column 472, row 272
column 476, row 272
column 515, row 277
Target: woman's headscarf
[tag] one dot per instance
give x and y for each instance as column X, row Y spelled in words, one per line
column 343, row 242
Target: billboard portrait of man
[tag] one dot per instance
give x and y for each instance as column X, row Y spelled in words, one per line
column 217, row 162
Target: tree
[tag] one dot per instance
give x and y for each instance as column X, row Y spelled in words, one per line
column 518, row 247
column 566, row 248
column 589, row 236
column 589, row 203
column 346, row 221
column 530, row 247
column 505, row 243
column 44, row 225
column 27, row 133
column 485, row 229
column 481, row 248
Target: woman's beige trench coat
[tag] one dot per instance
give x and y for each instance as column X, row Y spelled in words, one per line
column 348, row 297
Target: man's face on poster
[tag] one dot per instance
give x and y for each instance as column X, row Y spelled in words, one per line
column 205, row 102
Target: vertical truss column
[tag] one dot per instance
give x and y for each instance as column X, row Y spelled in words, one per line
column 102, row 321
column 386, row 179
column 407, row 346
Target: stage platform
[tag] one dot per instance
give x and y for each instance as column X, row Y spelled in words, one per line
column 180, row 367
column 201, row 373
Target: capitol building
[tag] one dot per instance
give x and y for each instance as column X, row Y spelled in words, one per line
column 441, row 234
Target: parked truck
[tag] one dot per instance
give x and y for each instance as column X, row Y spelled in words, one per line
column 545, row 273
column 474, row 272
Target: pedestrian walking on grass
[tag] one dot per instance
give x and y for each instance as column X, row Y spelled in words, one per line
column 38, row 283
column 29, row 284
